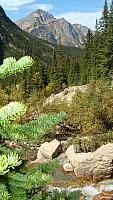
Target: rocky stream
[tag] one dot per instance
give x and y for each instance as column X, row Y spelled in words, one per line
column 91, row 173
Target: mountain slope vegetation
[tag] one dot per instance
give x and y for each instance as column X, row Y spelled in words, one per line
column 53, row 63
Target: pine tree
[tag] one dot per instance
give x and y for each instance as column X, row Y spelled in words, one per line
column 109, row 40
column 73, row 74
column 87, row 62
column 104, row 19
column 95, row 74
column 58, row 73
column 95, row 50
column 103, row 25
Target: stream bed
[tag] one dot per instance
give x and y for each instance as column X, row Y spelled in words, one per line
column 88, row 190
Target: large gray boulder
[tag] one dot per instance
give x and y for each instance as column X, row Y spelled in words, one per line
column 96, row 166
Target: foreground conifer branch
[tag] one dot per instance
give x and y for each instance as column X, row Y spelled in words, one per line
column 11, row 66
column 20, row 184
column 11, row 112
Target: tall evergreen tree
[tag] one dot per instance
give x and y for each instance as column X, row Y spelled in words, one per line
column 109, row 40
column 87, row 62
column 73, row 75
column 95, row 54
column 104, row 19
column 58, row 74
column 103, row 25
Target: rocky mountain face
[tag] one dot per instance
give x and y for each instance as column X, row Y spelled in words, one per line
column 16, row 42
column 58, row 31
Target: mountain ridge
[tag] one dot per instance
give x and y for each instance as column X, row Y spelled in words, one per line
column 18, row 43
column 59, row 31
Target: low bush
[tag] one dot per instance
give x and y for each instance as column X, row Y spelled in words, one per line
column 91, row 112
column 55, row 107
column 90, row 143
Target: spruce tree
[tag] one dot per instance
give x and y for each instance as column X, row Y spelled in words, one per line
column 58, row 73
column 95, row 53
column 87, row 62
column 103, row 26
column 104, row 19
column 73, row 74
column 109, row 40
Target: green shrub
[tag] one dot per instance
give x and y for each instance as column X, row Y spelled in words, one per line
column 65, row 195
column 91, row 143
column 55, row 107
column 48, row 167
column 91, row 112
column 56, row 195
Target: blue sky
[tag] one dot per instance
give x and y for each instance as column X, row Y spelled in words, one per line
column 75, row 11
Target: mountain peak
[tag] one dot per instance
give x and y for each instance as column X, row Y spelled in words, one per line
column 42, row 24
column 37, row 17
column 63, row 20
column 40, row 12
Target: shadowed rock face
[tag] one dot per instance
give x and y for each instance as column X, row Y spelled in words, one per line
column 58, row 31
column 2, row 13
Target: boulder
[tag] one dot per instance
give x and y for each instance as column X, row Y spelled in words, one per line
column 96, row 165
column 48, row 151
column 104, row 196
column 70, row 153
column 75, row 158
column 67, row 94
